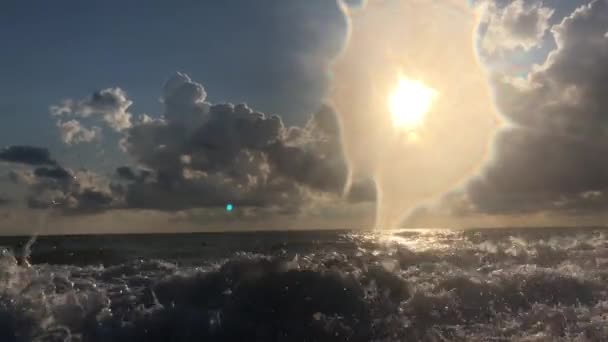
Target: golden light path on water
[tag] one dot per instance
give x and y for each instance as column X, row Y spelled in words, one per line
column 415, row 105
column 417, row 240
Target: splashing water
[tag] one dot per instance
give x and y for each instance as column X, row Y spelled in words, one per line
column 27, row 250
column 324, row 286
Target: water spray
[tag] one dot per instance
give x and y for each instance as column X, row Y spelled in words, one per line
column 26, row 252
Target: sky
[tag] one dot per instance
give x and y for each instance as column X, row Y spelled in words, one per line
column 124, row 117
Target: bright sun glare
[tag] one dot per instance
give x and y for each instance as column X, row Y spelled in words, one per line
column 409, row 102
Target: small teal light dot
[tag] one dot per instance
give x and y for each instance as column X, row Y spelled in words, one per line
column 229, row 207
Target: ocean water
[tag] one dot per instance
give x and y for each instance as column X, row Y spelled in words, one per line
column 410, row 285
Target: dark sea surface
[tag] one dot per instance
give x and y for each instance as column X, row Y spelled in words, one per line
column 410, row 285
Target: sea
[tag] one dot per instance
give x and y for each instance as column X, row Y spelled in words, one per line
column 525, row 284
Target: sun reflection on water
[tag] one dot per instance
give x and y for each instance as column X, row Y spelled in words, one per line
column 419, row 239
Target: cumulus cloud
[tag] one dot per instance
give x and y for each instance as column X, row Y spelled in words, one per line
column 21, row 176
column 313, row 155
column 184, row 100
column 207, row 155
column 198, row 155
column 516, row 25
column 566, row 93
column 111, row 105
column 46, row 184
column 552, row 158
column 536, row 171
column 28, row 155
column 73, row 192
column 72, row 132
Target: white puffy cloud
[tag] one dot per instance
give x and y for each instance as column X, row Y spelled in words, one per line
column 517, row 25
column 204, row 155
column 565, row 94
column 553, row 155
column 184, row 101
column 199, row 155
column 111, row 105
column 72, row 132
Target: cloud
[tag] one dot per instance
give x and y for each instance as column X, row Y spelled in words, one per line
column 46, row 184
column 516, row 25
column 28, row 155
column 72, row 192
column 565, row 94
column 184, row 100
column 203, row 154
column 72, row 132
column 200, row 155
column 313, row 155
column 4, row 201
column 354, row 3
column 536, row 171
column 21, row 176
column 94, row 200
column 362, row 191
column 111, row 105
column 57, row 173
column 126, row 173
column 552, row 157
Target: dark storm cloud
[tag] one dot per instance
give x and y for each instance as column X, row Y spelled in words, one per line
column 207, row 155
column 554, row 156
column 29, row 155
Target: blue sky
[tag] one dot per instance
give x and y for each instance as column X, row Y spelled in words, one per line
column 271, row 54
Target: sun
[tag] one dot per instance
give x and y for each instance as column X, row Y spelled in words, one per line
column 409, row 103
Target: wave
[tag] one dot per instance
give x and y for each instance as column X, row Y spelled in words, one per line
column 477, row 289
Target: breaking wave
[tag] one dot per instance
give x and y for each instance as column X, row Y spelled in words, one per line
column 391, row 286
